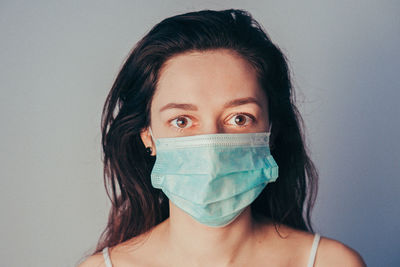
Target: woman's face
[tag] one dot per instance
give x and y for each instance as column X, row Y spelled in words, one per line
column 204, row 93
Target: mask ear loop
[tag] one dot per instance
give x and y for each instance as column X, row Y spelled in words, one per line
column 270, row 127
column 152, row 136
column 149, row 149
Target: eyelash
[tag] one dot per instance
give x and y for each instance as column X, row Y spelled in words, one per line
column 247, row 115
column 176, row 118
column 251, row 117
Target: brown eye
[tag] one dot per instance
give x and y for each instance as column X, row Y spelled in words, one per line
column 181, row 122
column 240, row 120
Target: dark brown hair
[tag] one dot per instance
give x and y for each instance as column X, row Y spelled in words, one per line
column 136, row 205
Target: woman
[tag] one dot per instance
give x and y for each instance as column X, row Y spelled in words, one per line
column 196, row 125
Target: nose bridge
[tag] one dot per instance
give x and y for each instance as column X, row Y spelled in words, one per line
column 213, row 127
column 211, row 124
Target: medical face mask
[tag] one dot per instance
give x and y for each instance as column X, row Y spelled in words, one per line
column 213, row 177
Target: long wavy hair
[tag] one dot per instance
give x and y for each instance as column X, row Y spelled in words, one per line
column 136, row 205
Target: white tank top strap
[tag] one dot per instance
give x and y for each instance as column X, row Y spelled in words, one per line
column 106, row 256
column 314, row 247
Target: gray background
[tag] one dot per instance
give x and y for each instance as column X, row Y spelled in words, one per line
column 58, row 61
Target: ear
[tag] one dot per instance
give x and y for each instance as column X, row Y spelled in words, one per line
column 147, row 140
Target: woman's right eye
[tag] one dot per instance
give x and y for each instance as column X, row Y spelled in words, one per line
column 181, row 122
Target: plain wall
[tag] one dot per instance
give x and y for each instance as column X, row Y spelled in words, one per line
column 58, row 60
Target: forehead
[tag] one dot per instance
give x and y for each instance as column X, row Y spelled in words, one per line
column 210, row 77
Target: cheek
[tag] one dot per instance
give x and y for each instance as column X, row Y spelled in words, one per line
column 265, row 111
column 264, row 120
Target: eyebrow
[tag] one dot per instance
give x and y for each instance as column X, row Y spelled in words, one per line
column 232, row 103
column 242, row 101
column 178, row 106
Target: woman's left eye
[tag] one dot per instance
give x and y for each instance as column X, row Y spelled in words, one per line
column 241, row 120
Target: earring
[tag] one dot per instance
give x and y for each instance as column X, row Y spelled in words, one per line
column 149, row 150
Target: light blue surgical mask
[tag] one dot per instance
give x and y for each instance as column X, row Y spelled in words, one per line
column 214, row 177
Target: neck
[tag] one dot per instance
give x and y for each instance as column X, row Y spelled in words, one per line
column 201, row 244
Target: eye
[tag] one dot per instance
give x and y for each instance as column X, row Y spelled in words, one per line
column 241, row 119
column 181, row 122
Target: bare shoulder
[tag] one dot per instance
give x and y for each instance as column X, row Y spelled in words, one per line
column 96, row 260
column 331, row 252
column 122, row 255
column 139, row 250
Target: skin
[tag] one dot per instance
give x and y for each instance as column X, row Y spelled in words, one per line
column 216, row 92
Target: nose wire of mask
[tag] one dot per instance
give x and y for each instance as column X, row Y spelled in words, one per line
column 213, row 177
